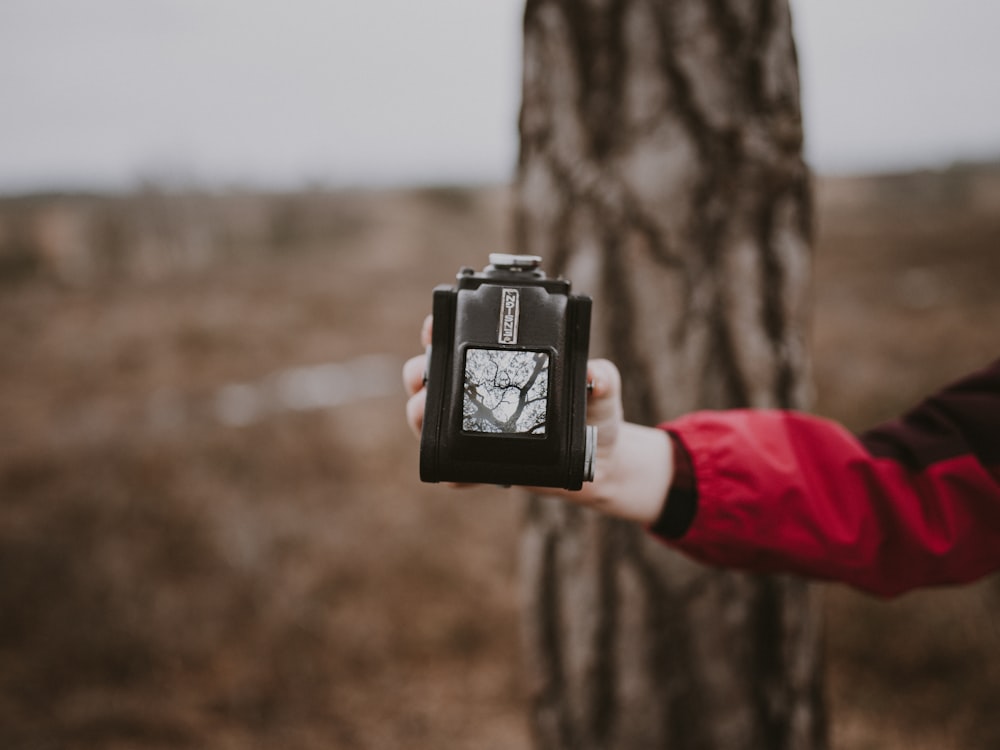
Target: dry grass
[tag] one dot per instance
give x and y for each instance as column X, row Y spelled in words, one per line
column 166, row 580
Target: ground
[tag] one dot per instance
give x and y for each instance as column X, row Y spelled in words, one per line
column 203, row 545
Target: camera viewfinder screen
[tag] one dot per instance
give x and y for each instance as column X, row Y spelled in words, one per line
column 506, row 392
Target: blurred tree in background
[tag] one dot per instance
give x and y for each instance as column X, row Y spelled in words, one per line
column 661, row 170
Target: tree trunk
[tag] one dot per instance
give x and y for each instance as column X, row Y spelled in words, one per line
column 661, row 171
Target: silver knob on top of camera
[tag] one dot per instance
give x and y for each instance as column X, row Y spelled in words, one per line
column 590, row 454
column 508, row 262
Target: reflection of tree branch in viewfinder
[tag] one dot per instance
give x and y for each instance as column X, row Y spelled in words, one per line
column 490, row 362
column 541, row 360
column 505, row 388
column 502, row 379
column 483, row 412
column 538, row 428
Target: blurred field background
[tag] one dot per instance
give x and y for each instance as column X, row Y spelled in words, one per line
column 211, row 529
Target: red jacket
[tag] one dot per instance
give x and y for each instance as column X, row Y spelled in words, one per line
column 913, row 502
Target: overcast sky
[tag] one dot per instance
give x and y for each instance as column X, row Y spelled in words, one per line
column 103, row 93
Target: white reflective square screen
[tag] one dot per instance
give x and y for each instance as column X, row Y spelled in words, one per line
column 506, row 392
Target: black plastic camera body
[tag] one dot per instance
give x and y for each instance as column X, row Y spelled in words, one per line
column 507, row 380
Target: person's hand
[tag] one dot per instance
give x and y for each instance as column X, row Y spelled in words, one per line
column 633, row 464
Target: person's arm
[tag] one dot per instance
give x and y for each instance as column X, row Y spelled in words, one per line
column 914, row 502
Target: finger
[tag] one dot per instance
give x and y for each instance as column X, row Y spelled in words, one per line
column 604, row 407
column 603, row 378
column 415, row 411
column 413, row 373
column 426, row 330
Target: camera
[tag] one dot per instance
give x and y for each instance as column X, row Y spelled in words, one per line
column 507, row 380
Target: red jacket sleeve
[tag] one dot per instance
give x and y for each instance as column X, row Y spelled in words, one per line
column 914, row 502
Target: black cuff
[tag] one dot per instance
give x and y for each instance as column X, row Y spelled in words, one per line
column 682, row 498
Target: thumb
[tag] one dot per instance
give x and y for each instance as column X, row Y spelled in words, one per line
column 604, row 406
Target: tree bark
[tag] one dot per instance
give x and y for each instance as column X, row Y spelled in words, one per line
column 661, row 171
